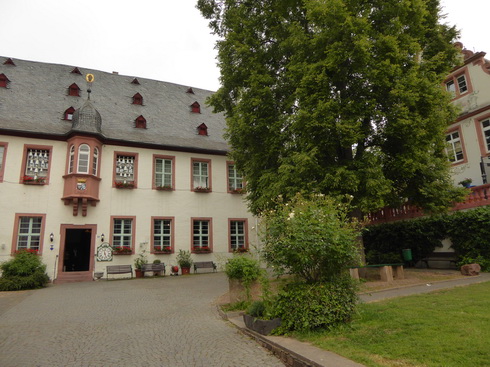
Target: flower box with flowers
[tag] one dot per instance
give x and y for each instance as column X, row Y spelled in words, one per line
column 202, row 189
column 29, row 180
column 240, row 250
column 122, row 250
column 164, row 250
column 201, row 250
column 164, row 188
column 124, row 185
column 237, row 191
column 28, row 250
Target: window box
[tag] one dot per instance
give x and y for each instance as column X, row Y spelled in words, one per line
column 162, row 251
column 31, row 251
column 241, row 250
column 237, row 191
column 202, row 189
column 164, row 188
column 124, row 185
column 201, row 250
column 29, row 180
column 122, row 250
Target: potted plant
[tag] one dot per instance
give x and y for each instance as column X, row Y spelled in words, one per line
column 185, row 261
column 138, row 264
column 466, row 182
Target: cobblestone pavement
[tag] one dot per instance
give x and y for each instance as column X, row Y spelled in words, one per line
column 167, row 321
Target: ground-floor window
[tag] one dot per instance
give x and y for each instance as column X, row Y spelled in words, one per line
column 238, row 239
column 29, row 233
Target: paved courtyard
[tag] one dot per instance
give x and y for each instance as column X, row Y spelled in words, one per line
column 167, row 321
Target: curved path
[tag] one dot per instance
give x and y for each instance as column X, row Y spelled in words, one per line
column 167, row 321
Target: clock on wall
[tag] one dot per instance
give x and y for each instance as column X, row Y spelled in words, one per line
column 104, row 252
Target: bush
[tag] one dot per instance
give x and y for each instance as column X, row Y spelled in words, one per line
column 24, row 271
column 313, row 238
column 304, row 306
column 257, row 309
column 245, row 269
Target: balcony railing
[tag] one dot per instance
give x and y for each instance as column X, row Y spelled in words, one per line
column 479, row 196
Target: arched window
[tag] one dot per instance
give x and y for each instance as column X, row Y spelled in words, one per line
column 95, row 162
column 72, row 159
column 83, row 158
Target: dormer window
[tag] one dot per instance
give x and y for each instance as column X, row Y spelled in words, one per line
column 68, row 115
column 73, row 90
column 76, row 71
column 195, row 107
column 9, row 62
column 4, row 81
column 202, row 129
column 138, row 99
column 135, row 81
column 190, row 90
column 140, row 122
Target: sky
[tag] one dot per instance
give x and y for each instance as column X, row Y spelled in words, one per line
column 165, row 40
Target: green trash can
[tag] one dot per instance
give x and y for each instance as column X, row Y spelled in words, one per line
column 407, row 254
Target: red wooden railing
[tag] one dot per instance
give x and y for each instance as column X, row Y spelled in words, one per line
column 479, row 196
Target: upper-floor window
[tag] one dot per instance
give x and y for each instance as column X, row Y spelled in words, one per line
column 458, row 85
column 202, row 130
column 201, row 174
column 140, row 122
column 138, row 99
column 36, row 164
column 28, row 229
column 83, row 158
column 73, row 90
column 3, row 81
column 163, row 172
column 3, row 151
column 95, row 163
column 454, row 148
column 196, row 107
column 125, row 170
column 72, row 159
column 235, row 179
column 486, row 132
column 68, row 115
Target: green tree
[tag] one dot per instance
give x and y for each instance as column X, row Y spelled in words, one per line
column 336, row 97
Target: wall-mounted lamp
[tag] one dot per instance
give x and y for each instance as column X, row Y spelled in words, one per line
column 51, row 237
column 102, row 237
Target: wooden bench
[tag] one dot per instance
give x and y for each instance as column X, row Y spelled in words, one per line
column 203, row 265
column 385, row 271
column 440, row 256
column 119, row 269
column 155, row 268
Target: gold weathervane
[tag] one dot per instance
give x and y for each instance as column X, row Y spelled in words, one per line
column 89, row 78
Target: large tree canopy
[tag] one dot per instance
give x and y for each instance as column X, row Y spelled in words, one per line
column 341, row 97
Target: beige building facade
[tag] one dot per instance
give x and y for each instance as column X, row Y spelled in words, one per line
column 137, row 164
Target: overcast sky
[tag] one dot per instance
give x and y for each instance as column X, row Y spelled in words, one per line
column 165, row 40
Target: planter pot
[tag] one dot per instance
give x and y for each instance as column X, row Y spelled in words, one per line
column 185, row 271
column 138, row 273
column 263, row 327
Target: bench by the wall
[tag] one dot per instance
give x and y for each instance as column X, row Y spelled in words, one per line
column 204, row 265
column 155, row 268
column 385, row 271
column 119, row 269
column 440, row 256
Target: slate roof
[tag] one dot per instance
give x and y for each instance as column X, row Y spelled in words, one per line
column 37, row 97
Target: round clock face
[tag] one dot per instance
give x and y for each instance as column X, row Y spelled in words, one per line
column 104, row 252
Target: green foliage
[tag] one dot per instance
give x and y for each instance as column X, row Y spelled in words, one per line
column 157, row 261
column 313, row 238
column 257, row 309
column 468, row 231
column 24, row 271
column 245, row 269
column 184, row 259
column 303, row 306
column 140, row 260
column 337, row 97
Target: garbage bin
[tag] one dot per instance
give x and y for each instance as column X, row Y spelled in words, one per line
column 407, row 254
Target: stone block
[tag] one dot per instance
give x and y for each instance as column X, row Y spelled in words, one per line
column 470, row 269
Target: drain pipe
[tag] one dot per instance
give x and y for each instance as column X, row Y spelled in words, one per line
column 54, row 273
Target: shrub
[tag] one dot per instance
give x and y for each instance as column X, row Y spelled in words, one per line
column 245, row 269
column 257, row 309
column 24, row 271
column 309, row 306
column 313, row 238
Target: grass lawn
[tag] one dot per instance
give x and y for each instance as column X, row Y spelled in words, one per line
column 445, row 328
